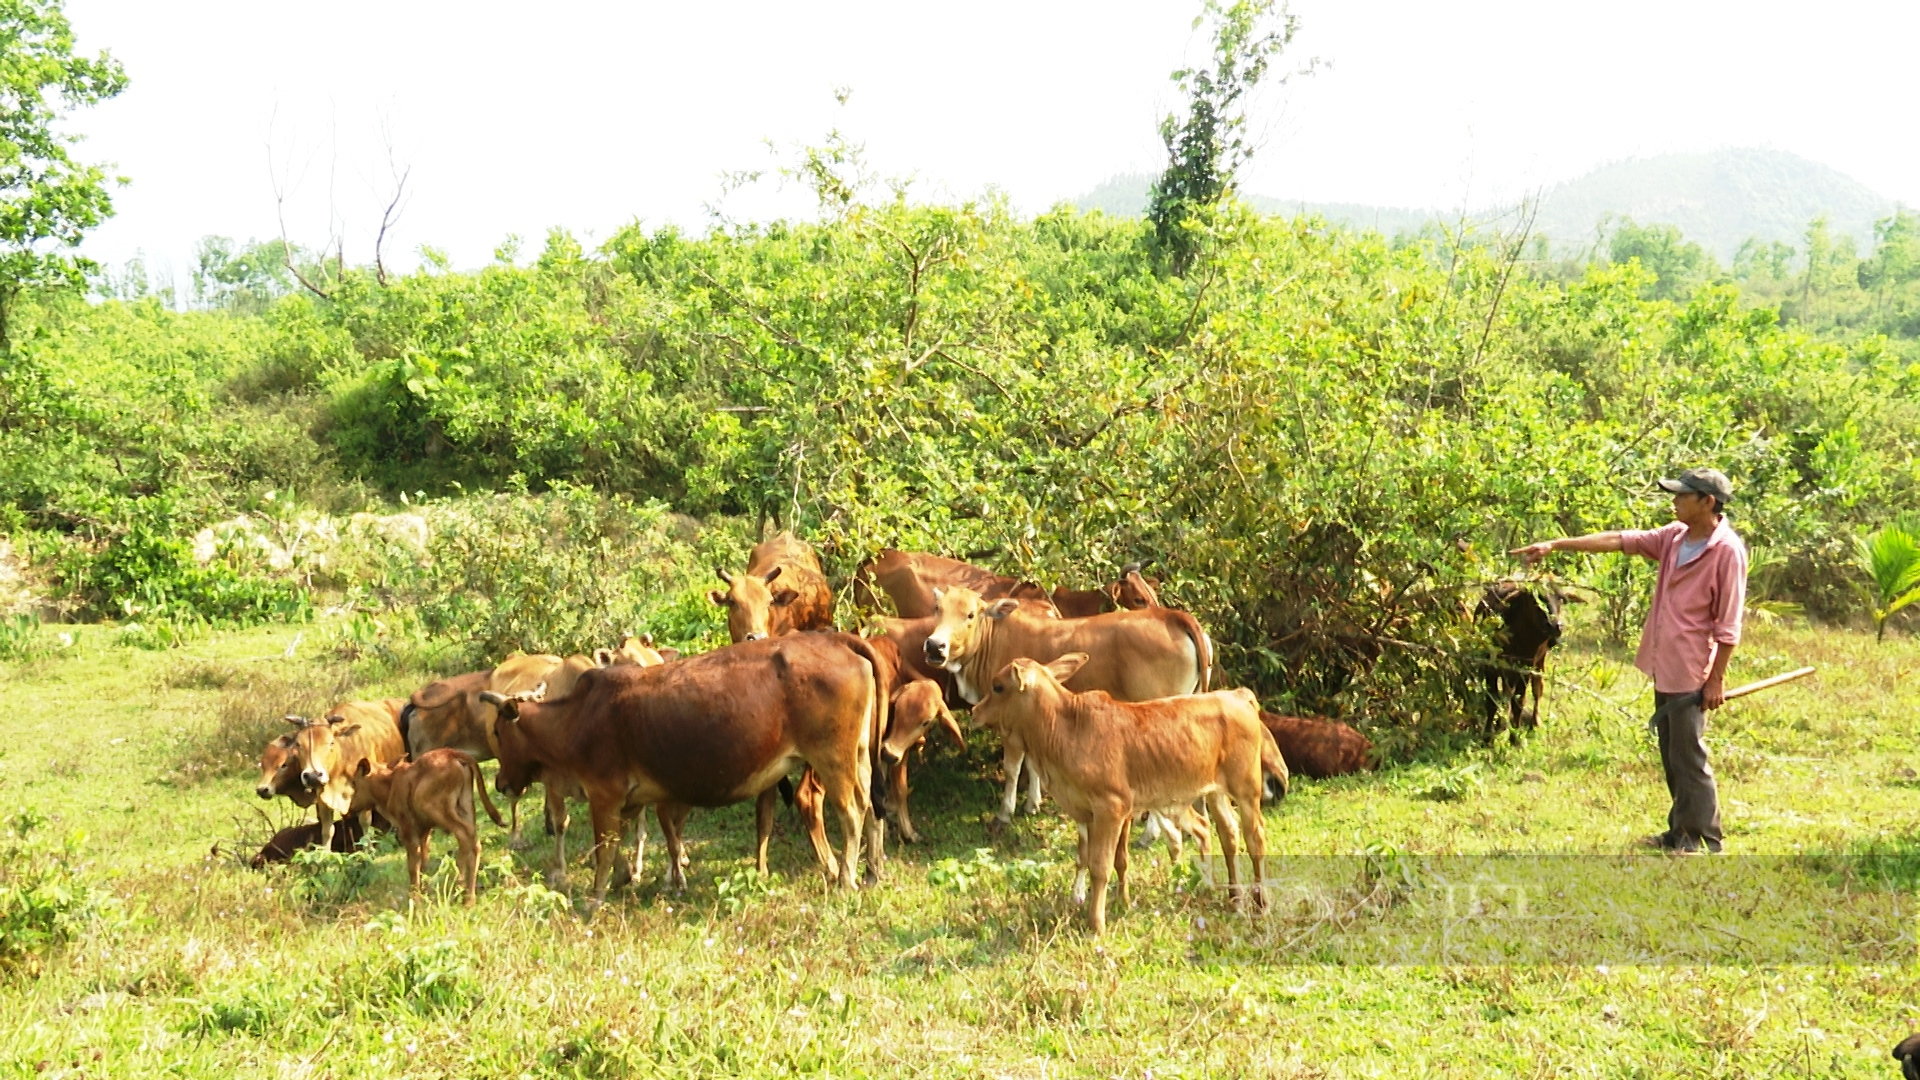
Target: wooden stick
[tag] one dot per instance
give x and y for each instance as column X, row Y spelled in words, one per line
column 1763, row 684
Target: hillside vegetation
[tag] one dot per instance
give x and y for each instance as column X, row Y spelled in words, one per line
column 1322, row 440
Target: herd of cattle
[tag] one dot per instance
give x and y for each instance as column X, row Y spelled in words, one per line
column 1100, row 697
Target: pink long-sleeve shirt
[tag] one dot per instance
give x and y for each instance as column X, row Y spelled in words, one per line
column 1696, row 607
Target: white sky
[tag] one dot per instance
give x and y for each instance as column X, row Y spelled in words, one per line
column 520, row 117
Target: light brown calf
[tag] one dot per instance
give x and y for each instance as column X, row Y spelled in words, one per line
column 433, row 791
column 1105, row 760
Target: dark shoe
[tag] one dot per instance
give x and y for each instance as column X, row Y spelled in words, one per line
column 1687, row 845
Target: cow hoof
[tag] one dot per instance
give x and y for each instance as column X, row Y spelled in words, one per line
column 998, row 826
column 909, row 836
column 518, row 843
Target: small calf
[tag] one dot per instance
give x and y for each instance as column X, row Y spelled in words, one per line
column 1105, row 760
column 300, row 837
column 434, row 790
column 917, row 707
column 1319, row 748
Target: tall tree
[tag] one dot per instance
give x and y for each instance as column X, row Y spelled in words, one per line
column 47, row 200
column 1208, row 145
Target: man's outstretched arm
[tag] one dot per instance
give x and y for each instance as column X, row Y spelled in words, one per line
column 1592, row 542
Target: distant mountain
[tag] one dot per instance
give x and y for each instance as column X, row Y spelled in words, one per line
column 1719, row 199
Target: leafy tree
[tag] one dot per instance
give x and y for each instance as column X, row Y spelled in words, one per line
column 47, row 200
column 1209, row 145
column 1678, row 264
column 1891, row 557
column 1760, row 261
column 243, row 280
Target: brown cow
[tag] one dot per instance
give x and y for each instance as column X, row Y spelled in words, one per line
column 758, row 608
column 433, row 791
column 1530, row 626
column 1138, row 656
column 916, row 708
column 631, row 650
column 280, row 772
column 1319, row 748
column 711, row 730
column 346, row 835
column 1106, row 760
column 331, row 751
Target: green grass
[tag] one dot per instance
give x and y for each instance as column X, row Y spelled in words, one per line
column 1509, row 928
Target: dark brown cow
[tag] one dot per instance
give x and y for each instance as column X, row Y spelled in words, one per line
column 1319, row 748
column 1529, row 627
column 346, row 835
column 783, row 590
column 1130, row 592
column 1106, row 760
column 1137, row 656
column 433, row 791
column 712, row 730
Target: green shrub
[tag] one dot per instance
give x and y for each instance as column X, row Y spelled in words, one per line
column 426, row 978
column 21, row 639
column 45, row 900
column 329, row 879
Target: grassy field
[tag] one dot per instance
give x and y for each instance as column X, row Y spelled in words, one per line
column 1489, row 916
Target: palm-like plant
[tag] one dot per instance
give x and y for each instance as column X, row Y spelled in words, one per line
column 1891, row 557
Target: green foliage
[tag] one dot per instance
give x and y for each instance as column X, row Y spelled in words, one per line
column 1884, row 861
column 983, row 870
column 1678, row 266
column 1891, row 558
column 47, row 200
column 245, row 279
column 328, row 879
column 21, row 639
column 1207, row 146
column 745, row 888
column 45, row 900
column 426, row 978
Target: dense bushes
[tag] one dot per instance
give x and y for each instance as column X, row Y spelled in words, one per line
column 1322, row 441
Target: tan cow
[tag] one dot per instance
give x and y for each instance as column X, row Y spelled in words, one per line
column 910, row 578
column 433, row 791
column 1137, row 656
column 631, row 650
column 280, row 772
column 332, row 749
column 918, row 706
column 1106, row 760
column 783, row 590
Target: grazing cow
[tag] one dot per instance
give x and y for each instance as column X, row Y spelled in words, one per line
column 758, row 608
column 433, row 791
column 631, row 650
column 1106, row 760
column 1319, row 748
column 346, row 835
column 1137, row 656
column 910, row 578
column 1529, row 627
column 916, row 707
column 711, row 730
column 331, row 752
column 280, row 772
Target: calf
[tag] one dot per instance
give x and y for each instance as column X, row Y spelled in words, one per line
column 1319, row 748
column 332, row 750
column 434, row 790
column 346, row 835
column 280, row 772
column 917, row 706
column 1106, row 760
column 1529, row 627
column 757, row 607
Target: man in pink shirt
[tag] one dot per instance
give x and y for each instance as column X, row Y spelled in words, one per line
column 1692, row 628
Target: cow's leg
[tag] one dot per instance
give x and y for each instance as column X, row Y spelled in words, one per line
column 326, row 826
column 876, row 842
column 467, row 852
column 561, row 818
column 846, row 790
column 1106, row 828
column 897, row 795
column 1120, row 859
column 809, row 801
column 1196, row 826
column 672, row 817
column 1223, row 822
column 606, row 840
column 515, row 841
column 1253, row 829
column 639, row 841
column 1011, row 757
column 365, row 820
column 763, row 809
column 1080, row 864
column 1033, row 788
column 415, row 843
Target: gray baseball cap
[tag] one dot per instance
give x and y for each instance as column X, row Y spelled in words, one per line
column 1701, row 481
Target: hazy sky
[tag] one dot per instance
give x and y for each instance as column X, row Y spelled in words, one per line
column 516, row 118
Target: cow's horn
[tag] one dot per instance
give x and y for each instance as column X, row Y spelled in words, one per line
column 493, row 699
column 771, row 574
column 724, row 576
column 296, row 721
column 1130, row 568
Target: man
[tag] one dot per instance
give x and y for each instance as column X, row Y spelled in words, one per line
column 1690, row 635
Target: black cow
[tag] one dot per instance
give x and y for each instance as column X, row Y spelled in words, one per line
column 1529, row 626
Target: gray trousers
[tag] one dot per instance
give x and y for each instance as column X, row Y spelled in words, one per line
column 1683, row 755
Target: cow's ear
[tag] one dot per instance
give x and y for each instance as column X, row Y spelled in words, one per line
column 785, row 597
column 1000, row 609
column 771, row 574
column 646, row 640
column 1065, row 667
column 602, row 657
column 717, row 597
column 366, row 766
column 938, row 592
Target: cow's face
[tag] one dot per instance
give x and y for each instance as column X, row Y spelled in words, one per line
column 638, row 651
column 518, row 770
column 319, row 742
column 280, row 769
column 917, row 707
column 1023, row 688
column 960, row 626
column 1134, row 592
column 756, row 607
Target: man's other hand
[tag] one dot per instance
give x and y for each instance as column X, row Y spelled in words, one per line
column 1533, row 553
column 1713, row 695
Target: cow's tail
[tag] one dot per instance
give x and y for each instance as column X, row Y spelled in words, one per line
column 1273, row 765
column 480, row 787
column 883, row 675
column 1202, row 645
column 405, row 723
